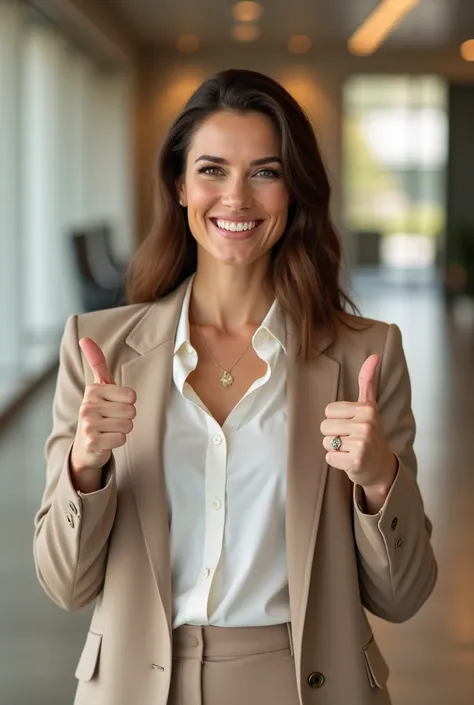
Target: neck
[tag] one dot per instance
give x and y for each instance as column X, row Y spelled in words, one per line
column 230, row 298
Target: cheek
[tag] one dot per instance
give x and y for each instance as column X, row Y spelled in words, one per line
column 201, row 195
column 275, row 201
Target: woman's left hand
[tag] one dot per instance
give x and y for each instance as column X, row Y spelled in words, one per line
column 364, row 454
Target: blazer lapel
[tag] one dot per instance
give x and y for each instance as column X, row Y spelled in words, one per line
column 310, row 387
column 150, row 375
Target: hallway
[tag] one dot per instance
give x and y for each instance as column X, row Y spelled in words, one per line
column 431, row 657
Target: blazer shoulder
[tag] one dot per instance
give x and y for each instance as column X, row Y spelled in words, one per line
column 357, row 334
column 110, row 323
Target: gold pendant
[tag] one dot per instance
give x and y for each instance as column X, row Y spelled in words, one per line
column 227, row 380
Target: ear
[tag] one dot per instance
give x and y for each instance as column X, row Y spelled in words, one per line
column 181, row 192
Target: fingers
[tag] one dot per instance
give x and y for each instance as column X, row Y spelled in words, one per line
column 350, row 410
column 367, row 392
column 349, row 444
column 100, row 425
column 97, row 393
column 345, row 427
column 340, row 460
column 99, row 434
column 105, row 416
column 105, row 442
column 96, row 360
column 108, row 410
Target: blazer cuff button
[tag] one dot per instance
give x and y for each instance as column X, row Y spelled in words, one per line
column 316, row 679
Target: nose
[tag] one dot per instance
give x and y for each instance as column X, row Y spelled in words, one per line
column 237, row 195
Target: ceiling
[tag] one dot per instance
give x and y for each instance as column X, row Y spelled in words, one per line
column 158, row 23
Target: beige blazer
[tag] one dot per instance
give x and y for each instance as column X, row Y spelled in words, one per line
column 112, row 546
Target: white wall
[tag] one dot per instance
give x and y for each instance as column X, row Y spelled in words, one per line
column 77, row 137
column 11, row 22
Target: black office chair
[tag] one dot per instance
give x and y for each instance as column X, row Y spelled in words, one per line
column 100, row 286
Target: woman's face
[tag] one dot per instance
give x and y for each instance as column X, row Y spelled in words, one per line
column 233, row 187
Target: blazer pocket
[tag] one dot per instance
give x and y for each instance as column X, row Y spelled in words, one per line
column 377, row 669
column 87, row 665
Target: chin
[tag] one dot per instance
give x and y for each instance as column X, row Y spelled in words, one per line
column 237, row 254
column 234, row 260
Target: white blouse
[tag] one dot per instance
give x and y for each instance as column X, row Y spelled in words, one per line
column 226, row 492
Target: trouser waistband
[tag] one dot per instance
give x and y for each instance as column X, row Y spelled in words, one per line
column 190, row 641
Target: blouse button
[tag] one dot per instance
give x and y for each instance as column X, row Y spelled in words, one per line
column 205, row 573
column 216, row 503
column 217, row 440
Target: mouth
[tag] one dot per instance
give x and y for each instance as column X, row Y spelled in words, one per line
column 236, row 229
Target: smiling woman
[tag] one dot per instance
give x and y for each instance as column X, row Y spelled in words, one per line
column 237, row 210
column 243, row 151
column 267, row 491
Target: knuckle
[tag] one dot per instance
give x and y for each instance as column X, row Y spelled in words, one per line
column 129, row 411
column 90, row 444
column 121, row 439
column 88, row 428
column 92, row 391
column 85, row 410
column 130, row 395
column 365, row 429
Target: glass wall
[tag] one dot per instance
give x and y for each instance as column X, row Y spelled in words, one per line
column 65, row 141
column 395, row 154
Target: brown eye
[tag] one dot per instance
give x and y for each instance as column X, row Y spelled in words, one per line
column 268, row 174
column 210, row 170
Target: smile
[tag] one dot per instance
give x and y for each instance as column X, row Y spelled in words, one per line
column 236, row 229
column 234, row 226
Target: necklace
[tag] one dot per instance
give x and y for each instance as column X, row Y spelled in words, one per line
column 227, row 378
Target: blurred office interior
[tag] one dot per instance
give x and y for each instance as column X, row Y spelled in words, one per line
column 87, row 90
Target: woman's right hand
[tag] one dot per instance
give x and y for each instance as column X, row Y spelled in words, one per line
column 105, row 416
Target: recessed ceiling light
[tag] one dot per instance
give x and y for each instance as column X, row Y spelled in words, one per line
column 379, row 25
column 299, row 43
column 187, row 43
column 467, row 50
column 245, row 32
column 247, row 11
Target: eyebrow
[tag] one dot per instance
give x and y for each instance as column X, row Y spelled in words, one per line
column 220, row 160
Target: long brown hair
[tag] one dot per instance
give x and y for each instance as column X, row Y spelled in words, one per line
column 305, row 263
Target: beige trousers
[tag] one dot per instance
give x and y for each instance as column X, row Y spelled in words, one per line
column 233, row 666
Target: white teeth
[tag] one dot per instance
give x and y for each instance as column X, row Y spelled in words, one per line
column 236, row 227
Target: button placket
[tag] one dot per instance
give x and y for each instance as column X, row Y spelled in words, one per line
column 216, row 472
column 215, row 482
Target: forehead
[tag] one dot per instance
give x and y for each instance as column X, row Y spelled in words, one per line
column 230, row 135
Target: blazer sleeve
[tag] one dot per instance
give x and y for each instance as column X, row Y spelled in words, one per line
column 72, row 529
column 397, row 567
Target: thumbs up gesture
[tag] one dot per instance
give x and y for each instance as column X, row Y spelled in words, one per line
column 355, row 428
column 105, row 416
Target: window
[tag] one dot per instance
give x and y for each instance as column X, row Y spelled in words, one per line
column 395, row 151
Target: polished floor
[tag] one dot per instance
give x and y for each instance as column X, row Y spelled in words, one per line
column 431, row 657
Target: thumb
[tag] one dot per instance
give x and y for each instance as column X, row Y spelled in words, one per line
column 367, row 380
column 96, row 359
